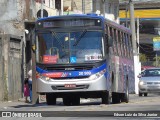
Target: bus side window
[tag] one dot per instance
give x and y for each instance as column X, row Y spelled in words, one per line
column 111, row 37
column 122, row 44
column 125, row 44
column 115, row 42
column 131, row 47
column 119, row 43
column 108, row 38
column 106, row 35
column 128, row 51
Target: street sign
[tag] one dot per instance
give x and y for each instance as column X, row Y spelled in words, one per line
column 156, row 43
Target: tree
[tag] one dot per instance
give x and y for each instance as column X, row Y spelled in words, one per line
column 142, row 58
column 156, row 63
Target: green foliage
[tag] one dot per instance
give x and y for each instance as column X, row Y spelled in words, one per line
column 143, row 58
column 156, row 63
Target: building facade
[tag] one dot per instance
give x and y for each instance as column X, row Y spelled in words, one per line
column 147, row 14
column 107, row 8
column 77, row 6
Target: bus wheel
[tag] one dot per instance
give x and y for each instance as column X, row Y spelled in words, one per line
column 145, row 94
column 126, row 96
column 76, row 101
column 106, row 98
column 140, row 94
column 67, row 101
column 50, row 99
column 115, row 98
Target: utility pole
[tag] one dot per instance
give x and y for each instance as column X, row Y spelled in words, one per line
column 83, row 6
column 126, row 12
column 104, row 10
column 61, row 7
column 137, row 66
column 133, row 27
column 41, row 8
column 138, row 34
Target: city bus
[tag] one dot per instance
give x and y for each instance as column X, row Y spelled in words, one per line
column 83, row 56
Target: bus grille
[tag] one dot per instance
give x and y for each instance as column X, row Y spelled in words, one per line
column 75, row 68
column 70, row 78
column 75, row 88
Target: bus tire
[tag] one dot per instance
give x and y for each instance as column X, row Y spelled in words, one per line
column 140, row 94
column 76, row 101
column 106, row 98
column 145, row 94
column 50, row 99
column 67, row 101
column 115, row 98
column 126, row 96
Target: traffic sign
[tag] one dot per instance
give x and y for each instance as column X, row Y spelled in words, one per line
column 156, row 43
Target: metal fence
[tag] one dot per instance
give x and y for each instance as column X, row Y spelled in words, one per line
column 151, row 64
column 11, row 70
column 148, row 63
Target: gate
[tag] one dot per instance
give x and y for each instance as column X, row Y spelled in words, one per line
column 11, row 69
column 1, row 71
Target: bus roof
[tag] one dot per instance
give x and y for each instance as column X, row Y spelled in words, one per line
column 72, row 15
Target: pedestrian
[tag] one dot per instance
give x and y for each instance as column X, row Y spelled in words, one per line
column 26, row 90
column 30, row 84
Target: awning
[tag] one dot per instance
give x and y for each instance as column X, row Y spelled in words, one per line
column 145, row 13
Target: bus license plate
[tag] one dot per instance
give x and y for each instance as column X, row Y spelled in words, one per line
column 69, row 85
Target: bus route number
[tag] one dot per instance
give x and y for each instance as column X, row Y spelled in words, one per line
column 85, row 73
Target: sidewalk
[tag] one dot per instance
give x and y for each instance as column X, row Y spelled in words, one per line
column 20, row 102
column 9, row 104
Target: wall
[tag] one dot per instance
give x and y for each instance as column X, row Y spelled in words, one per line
column 11, row 12
column 76, row 5
column 1, row 70
column 108, row 8
column 49, row 8
column 10, row 67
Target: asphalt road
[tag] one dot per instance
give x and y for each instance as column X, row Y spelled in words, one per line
column 91, row 108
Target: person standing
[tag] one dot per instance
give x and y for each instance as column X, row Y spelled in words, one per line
column 26, row 90
column 30, row 84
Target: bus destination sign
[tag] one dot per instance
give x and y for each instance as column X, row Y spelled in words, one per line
column 69, row 23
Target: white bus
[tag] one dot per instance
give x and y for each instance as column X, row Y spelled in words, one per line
column 83, row 56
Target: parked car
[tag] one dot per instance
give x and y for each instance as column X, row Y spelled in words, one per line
column 149, row 81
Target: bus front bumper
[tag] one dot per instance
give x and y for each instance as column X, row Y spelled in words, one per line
column 72, row 85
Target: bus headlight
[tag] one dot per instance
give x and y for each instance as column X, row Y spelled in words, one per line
column 97, row 75
column 45, row 78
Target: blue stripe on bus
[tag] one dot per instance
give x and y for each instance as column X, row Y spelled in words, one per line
column 76, row 73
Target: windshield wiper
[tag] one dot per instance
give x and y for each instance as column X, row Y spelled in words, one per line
column 84, row 32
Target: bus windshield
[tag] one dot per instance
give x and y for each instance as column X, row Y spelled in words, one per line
column 69, row 47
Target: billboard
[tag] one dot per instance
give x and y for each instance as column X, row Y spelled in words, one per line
column 156, row 43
